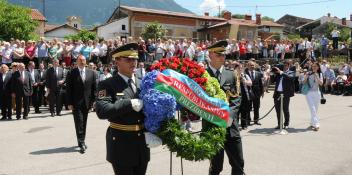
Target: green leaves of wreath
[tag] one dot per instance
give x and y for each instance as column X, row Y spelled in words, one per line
column 195, row 147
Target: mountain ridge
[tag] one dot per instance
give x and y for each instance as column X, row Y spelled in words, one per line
column 96, row 12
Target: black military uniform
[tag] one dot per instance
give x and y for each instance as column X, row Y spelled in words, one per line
column 233, row 143
column 125, row 141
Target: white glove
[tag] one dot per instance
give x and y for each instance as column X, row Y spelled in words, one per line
column 137, row 104
column 229, row 122
column 152, row 140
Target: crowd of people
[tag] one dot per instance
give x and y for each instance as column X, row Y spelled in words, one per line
column 38, row 56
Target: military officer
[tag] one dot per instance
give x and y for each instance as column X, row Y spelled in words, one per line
column 118, row 102
column 228, row 83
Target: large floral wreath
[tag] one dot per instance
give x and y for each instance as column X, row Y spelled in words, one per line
column 160, row 107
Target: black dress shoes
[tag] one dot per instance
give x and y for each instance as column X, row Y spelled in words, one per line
column 4, row 118
column 257, row 123
column 82, row 149
column 84, row 146
column 278, row 127
column 52, row 114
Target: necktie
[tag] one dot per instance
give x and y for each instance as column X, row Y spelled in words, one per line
column 131, row 85
column 218, row 74
column 142, row 73
column 252, row 75
column 82, row 76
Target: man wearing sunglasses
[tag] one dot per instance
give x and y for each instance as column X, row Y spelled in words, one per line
column 118, row 102
column 228, row 83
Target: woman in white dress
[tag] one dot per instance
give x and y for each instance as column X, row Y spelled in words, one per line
column 314, row 80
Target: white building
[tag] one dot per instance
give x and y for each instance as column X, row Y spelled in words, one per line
column 60, row 31
column 113, row 29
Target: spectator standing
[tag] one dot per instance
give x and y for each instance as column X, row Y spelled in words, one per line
column 34, row 75
column 29, row 52
column 5, row 93
column 67, row 52
column 6, row 54
column 54, row 82
column 18, row 52
column 22, row 89
column 314, row 80
column 53, row 51
column 335, row 38
column 86, row 50
column 42, row 48
column 76, row 51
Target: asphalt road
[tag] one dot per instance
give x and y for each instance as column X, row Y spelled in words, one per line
column 46, row 145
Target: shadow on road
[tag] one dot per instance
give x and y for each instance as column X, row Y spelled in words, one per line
column 270, row 131
column 56, row 150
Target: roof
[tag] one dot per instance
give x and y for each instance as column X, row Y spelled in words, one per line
column 49, row 27
column 250, row 23
column 168, row 13
column 325, row 19
column 54, row 27
column 36, row 15
column 300, row 18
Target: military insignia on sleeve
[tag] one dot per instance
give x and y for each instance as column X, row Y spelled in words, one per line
column 120, row 94
column 102, row 93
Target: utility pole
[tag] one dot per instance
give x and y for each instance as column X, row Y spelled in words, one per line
column 44, row 11
column 219, row 11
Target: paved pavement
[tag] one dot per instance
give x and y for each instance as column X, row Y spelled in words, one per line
column 44, row 145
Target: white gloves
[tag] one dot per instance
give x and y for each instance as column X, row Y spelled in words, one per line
column 152, row 140
column 137, row 104
column 229, row 122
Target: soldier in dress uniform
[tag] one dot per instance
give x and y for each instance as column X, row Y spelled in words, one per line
column 229, row 83
column 118, row 102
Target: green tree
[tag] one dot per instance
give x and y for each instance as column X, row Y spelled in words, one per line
column 16, row 22
column 267, row 18
column 344, row 31
column 293, row 36
column 83, row 35
column 238, row 16
column 153, row 31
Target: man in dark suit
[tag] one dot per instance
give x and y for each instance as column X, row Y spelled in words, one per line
column 54, row 82
column 118, row 102
column 63, row 94
column 284, row 84
column 5, row 92
column 41, row 85
column 34, row 75
column 246, row 91
column 228, row 83
column 256, row 88
column 22, row 89
column 81, row 92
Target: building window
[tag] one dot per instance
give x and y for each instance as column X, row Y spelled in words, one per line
column 75, row 25
column 250, row 35
column 123, row 27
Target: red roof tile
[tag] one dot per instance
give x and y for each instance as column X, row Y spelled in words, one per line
column 36, row 15
column 170, row 13
column 250, row 23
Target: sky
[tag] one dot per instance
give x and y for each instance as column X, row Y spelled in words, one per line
column 311, row 9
